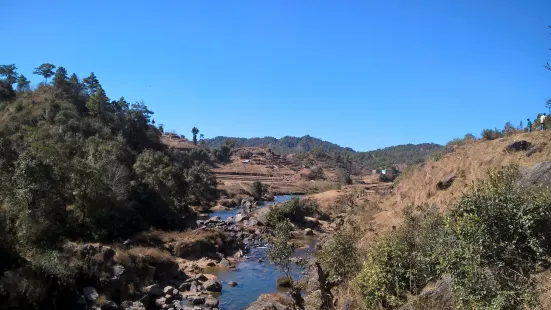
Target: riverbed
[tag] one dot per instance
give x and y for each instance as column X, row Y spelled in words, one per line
column 254, row 275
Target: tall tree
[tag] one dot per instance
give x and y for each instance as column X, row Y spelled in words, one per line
column 194, row 131
column 46, row 70
column 91, row 83
column 61, row 79
column 23, row 84
column 9, row 73
column 98, row 102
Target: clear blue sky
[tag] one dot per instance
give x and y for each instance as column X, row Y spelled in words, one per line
column 364, row 74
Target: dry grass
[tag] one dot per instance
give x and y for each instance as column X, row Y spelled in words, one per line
column 469, row 163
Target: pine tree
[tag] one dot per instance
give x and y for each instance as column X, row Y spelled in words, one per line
column 91, row 83
column 61, row 79
column 194, row 131
column 9, row 73
column 23, row 84
column 97, row 103
column 46, row 70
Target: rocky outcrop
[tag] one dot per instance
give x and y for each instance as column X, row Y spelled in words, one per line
column 538, row 175
column 446, row 182
column 271, row 302
column 438, row 296
column 521, row 145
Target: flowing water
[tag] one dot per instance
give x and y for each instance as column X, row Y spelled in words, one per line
column 254, row 275
column 232, row 212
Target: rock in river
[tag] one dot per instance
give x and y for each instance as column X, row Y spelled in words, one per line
column 213, row 286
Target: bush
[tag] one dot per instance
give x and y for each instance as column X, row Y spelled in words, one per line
column 344, row 177
column 491, row 134
column 294, row 210
column 339, row 256
column 316, row 173
column 490, row 243
column 258, row 190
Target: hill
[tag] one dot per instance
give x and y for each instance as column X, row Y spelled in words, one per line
column 308, row 149
column 285, row 145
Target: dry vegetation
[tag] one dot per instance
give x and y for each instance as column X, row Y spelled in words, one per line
column 468, row 162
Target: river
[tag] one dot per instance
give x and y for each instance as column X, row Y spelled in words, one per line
column 254, row 275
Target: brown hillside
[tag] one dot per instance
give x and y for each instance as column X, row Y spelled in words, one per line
column 468, row 163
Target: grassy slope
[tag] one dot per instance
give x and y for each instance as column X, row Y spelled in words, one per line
column 469, row 162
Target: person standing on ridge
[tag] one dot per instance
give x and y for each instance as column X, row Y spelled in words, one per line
column 542, row 122
column 529, row 125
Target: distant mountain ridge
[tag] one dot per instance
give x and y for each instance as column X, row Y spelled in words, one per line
column 285, row 145
column 380, row 158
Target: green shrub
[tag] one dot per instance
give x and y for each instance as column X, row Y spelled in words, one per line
column 403, row 262
column 344, row 177
column 316, row 173
column 490, row 243
column 491, row 134
column 258, row 190
column 294, row 210
column 339, row 256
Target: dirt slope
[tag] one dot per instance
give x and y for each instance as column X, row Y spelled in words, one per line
column 468, row 163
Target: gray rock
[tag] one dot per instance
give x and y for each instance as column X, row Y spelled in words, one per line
column 521, row 145
column 538, row 175
column 169, row 290
column 201, row 278
column 118, row 270
column 241, row 217
column 440, row 296
column 90, row 293
column 155, row 290
column 197, row 300
column 160, row 302
column 215, row 219
column 308, row 232
column 211, row 302
column 225, row 263
column 185, row 287
column 109, row 305
column 213, row 286
column 232, row 284
column 446, row 182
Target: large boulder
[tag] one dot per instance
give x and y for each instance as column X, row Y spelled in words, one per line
column 213, row 286
column 90, row 293
column 446, row 182
column 155, row 290
column 438, row 296
column 538, row 175
column 241, row 217
column 521, row 145
column 211, row 302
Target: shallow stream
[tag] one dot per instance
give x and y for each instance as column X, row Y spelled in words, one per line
column 255, row 275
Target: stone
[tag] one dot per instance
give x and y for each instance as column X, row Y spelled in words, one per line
column 109, row 305
column 211, row 302
column 260, row 260
column 154, row 290
column 145, row 300
column 310, row 222
column 308, row 232
column 118, row 270
column 201, row 277
column 200, row 223
column 197, row 300
column 90, row 293
column 215, row 219
column 241, row 217
column 232, row 284
column 213, row 286
column 160, row 302
column 225, row 263
column 521, row 145
column 446, row 182
column 169, row 290
column 253, row 222
column 184, row 287
column 437, row 296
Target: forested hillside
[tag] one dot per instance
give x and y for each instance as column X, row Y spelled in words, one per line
column 309, row 149
column 75, row 165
